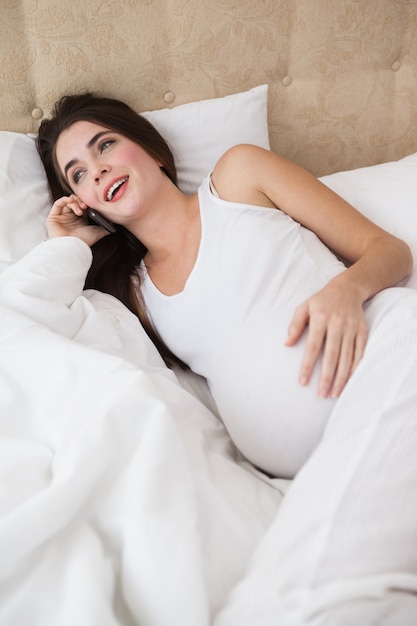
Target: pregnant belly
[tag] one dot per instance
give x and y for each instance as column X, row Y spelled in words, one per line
column 274, row 421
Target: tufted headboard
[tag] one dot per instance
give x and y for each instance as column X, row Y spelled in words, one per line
column 342, row 75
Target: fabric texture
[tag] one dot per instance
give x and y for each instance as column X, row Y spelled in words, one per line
column 119, row 487
column 387, row 195
column 342, row 76
column 199, row 133
column 340, row 550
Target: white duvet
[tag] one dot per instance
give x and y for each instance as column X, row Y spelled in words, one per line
column 123, row 501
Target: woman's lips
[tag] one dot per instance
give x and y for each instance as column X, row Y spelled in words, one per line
column 115, row 189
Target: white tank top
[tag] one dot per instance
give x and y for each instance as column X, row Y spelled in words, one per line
column 229, row 324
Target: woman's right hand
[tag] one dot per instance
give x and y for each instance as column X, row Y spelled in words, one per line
column 67, row 218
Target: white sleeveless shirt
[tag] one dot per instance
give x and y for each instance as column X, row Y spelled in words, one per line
column 229, row 324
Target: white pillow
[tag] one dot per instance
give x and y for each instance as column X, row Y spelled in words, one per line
column 198, row 134
column 24, row 197
column 387, row 195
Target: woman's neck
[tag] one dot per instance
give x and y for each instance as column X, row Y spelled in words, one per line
column 169, row 226
column 174, row 246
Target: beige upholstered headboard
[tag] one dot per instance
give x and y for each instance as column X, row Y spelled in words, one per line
column 342, row 75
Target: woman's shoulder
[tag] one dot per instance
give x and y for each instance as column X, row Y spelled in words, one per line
column 241, row 155
column 236, row 174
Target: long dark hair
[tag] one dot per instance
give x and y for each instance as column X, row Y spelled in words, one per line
column 116, row 256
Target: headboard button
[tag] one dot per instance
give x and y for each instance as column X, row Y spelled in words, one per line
column 396, row 66
column 37, row 113
column 169, row 97
column 287, row 80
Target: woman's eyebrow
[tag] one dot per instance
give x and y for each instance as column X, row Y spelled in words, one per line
column 89, row 145
column 96, row 137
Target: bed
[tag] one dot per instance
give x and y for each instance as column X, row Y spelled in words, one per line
column 123, row 500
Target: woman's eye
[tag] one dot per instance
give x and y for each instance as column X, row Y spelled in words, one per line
column 76, row 176
column 104, row 144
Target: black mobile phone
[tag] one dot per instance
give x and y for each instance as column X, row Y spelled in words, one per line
column 98, row 219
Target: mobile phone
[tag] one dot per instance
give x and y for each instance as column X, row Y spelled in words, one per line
column 98, row 219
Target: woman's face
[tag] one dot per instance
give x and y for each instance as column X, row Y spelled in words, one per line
column 107, row 171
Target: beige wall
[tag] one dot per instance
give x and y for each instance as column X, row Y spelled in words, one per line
column 342, row 75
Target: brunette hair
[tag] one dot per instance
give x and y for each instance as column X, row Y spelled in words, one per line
column 116, row 256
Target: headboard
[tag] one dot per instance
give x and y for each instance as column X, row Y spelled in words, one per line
column 342, row 75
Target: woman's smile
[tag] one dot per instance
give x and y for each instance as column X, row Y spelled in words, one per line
column 115, row 189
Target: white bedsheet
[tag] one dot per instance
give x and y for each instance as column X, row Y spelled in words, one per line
column 123, row 501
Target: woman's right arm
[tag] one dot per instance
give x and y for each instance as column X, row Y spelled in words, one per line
column 67, row 219
column 44, row 285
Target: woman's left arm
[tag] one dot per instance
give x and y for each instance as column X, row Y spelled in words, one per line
column 334, row 315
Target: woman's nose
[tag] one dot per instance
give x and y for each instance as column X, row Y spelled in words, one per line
column 101, row 170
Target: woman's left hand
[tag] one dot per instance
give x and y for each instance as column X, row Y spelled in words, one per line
column 336, row 328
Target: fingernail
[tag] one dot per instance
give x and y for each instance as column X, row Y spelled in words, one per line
column 323, row 393
column 303, row 381
column 336, row 392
